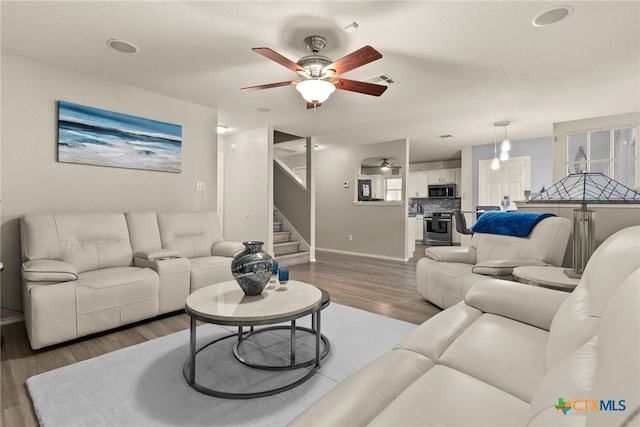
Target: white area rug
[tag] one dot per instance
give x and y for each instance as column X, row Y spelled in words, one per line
column 143, row 385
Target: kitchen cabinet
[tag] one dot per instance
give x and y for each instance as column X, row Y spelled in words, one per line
column 411, row 238
column 419, row 228
column 419, row 181
column 417, row 184
column 443, row 176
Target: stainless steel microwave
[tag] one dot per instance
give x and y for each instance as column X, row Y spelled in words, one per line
column 442, row 191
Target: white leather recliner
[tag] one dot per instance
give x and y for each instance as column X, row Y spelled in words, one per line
column 90, row 272
column 78, row 276
column 448, row 272
column 197, row 236
column 511, row 354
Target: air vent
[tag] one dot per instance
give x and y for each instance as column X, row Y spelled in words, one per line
column 383, row 78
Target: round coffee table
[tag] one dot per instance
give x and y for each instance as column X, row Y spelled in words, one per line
column 226, row 304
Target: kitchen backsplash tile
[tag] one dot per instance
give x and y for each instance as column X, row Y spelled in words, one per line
column 424, row 205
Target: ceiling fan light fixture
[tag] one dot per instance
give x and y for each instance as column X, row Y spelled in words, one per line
column 315, row 91
column 385, row 166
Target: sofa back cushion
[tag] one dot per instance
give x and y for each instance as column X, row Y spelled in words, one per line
column 547, row 243
column 87, row 241
column 191, row 234
column 617, row 376
column 604, row 370
column 143, row 231
column 579, row 317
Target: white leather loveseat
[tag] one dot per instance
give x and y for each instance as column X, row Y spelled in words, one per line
column 510, row 354
column 90, row 272
column 448, row 272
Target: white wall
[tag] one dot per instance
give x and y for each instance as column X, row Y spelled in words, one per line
column 248, row 192
column 33, row 181
column 376, row 230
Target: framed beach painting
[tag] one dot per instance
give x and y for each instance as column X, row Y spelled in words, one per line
column 93, row 136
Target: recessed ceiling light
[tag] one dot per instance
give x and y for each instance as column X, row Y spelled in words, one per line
column 552, row 16
column 222, row 129
column 123, row 46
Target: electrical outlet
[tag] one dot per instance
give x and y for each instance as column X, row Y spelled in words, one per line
column 350, row 237
column 200, row 186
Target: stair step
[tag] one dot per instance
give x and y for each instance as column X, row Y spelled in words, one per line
column 281, row 236
column 285, row 248
column 293, row 259
column 277, row 226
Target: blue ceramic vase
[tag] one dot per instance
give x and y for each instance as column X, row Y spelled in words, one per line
column 252, row 268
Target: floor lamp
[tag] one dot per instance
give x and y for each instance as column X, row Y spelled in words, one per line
column 584, row 240
column 586, row 188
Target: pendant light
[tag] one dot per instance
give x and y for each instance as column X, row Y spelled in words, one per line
column 495, row 163
column 506, row 144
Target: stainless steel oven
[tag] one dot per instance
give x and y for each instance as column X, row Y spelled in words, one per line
column 437, row 229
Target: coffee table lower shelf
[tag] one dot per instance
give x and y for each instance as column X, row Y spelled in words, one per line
column 322, row 349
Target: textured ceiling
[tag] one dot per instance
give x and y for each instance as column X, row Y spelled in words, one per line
column 460, row 66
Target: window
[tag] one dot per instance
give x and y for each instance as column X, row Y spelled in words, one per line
column 613, row 152
column 393, row 188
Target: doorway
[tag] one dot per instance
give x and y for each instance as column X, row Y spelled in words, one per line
column 511, row 180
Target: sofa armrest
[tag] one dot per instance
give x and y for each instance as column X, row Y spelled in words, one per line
column 156, row 255
column 226, row 248
column 503, row 267
column 463, row 254
column 528, row 304
column 48, row 270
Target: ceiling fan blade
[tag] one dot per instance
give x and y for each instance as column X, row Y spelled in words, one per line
column 354, row 60
column 268, row 86
column 358, row 86
column 275, row 56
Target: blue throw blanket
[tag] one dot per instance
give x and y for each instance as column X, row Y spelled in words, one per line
column 517, row 224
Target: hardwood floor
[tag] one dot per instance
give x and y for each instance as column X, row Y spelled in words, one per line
column 379, row 286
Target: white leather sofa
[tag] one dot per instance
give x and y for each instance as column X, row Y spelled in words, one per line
column 448, row 272
column 90, row 272
column 508, row 355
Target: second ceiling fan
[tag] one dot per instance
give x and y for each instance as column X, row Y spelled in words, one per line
column 320, row 75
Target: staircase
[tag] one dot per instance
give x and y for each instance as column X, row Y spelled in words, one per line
column 285, row 250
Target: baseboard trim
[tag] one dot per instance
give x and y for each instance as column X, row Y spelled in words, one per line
column 13, row 319
column 363, row 254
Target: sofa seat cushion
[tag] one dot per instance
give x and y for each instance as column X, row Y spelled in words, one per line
column 508, row 355
column 445, row 396
column 362, row 396
column 116, row 296
column 208, row 270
